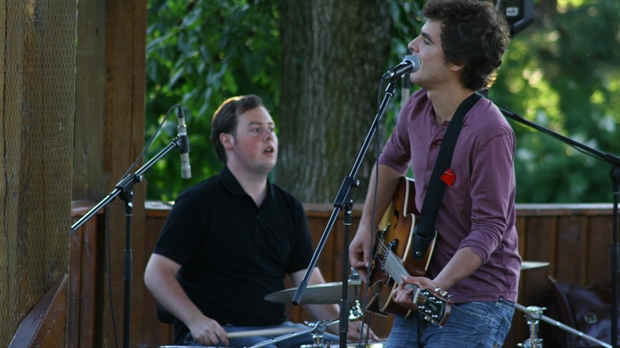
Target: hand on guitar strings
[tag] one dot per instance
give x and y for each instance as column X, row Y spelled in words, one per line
column 359, row 254
column 403, row 293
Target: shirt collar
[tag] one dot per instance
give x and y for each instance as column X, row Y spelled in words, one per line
column 232, row 184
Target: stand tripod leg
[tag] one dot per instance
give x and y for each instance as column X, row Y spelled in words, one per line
column 555, row 323
column 533, row 315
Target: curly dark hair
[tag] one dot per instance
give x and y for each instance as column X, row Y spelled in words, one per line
column 473, row 33
column 225, row 119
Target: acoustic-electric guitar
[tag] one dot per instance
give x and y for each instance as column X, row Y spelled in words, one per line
column 392, row 259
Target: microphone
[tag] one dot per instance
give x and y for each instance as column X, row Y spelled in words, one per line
column 405, row 89
column 186, row 171
column 409, row 64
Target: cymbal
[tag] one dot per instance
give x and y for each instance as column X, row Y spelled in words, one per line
column 327, row 293
column 533, row 264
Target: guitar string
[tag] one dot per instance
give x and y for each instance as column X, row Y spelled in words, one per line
column 395, row 269
column 392, row 265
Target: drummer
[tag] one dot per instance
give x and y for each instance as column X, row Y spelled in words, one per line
column 231, row 239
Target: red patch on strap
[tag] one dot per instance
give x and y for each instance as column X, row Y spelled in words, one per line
column 448, row 177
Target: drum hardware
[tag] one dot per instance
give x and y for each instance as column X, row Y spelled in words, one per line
column 316, row 328
column 326, row 293
column 351, row 345
column 534, row 314
column 356, row 311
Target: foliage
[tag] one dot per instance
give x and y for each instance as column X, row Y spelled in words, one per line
column 406, row 25
column 562, row 72
column 200, row 53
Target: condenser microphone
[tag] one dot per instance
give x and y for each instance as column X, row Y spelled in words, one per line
column 409, row 64
column 186, row 171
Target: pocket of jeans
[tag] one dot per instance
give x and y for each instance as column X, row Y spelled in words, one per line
column 478, row 310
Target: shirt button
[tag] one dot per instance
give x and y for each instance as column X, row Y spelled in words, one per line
column 429, row 167
column 433, row 146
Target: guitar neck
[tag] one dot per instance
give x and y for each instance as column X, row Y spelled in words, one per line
column 394, row 267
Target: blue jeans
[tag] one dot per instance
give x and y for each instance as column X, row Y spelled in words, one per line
column 472, row 324
column 292, row 340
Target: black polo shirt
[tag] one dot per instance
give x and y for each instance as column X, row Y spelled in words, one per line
column 233, row 253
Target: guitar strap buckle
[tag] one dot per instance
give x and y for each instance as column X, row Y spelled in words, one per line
column 420, row 244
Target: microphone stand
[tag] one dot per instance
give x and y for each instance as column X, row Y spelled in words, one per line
column 124, row 189
column 614, row 162
column 345, row 202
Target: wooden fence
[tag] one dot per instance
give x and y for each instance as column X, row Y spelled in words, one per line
column 574, row 239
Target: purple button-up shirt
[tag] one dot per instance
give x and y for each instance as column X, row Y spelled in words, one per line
column 478, row 209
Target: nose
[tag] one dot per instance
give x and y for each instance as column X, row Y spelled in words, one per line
column 269, row 134
column 413, row 45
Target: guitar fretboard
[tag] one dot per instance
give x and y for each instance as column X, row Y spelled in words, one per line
column 430, row 305
column 394, row 267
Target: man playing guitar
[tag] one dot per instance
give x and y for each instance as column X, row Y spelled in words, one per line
column 475, row 257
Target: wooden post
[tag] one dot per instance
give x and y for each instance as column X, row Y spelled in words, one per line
column 37, row 106
column 111, row 78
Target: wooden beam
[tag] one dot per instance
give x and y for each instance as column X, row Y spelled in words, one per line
column 45, row 325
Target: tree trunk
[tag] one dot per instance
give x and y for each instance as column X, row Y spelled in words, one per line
column 326, row 110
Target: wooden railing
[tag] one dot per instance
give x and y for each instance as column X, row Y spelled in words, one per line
column 574, row 239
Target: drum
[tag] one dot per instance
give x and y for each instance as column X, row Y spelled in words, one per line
column 350, row 345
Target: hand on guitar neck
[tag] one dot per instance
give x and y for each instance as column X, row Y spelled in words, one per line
column 412, row 293
column 408, row 289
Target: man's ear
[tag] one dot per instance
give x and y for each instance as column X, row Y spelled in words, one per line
column 456, row 67
column 226, row 140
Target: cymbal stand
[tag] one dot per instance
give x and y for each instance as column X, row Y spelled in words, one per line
column 317, row 334
column 535, row 313
column 317, row 329
column 344, row 202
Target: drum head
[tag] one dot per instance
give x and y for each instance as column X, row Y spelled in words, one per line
column 187, row 346
column 349, row 345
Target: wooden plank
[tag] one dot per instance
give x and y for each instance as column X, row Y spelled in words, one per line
column 89, row 178
column 6, row 243
column 37, row 131
column 316, row 227
column 137, row 14
column 45, row 324
column 90, row 284
column 571, row 240
column 164, row 333
column 563, row 209
column 517, row 324
column 125, row 57
column 83, row 276
column 30, row 243
column 600, row 237
column 75, row 289
column 537, row 248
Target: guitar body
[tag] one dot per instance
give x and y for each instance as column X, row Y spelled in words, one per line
column 396, row 231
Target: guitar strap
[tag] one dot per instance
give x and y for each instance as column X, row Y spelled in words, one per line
column 424, row 231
